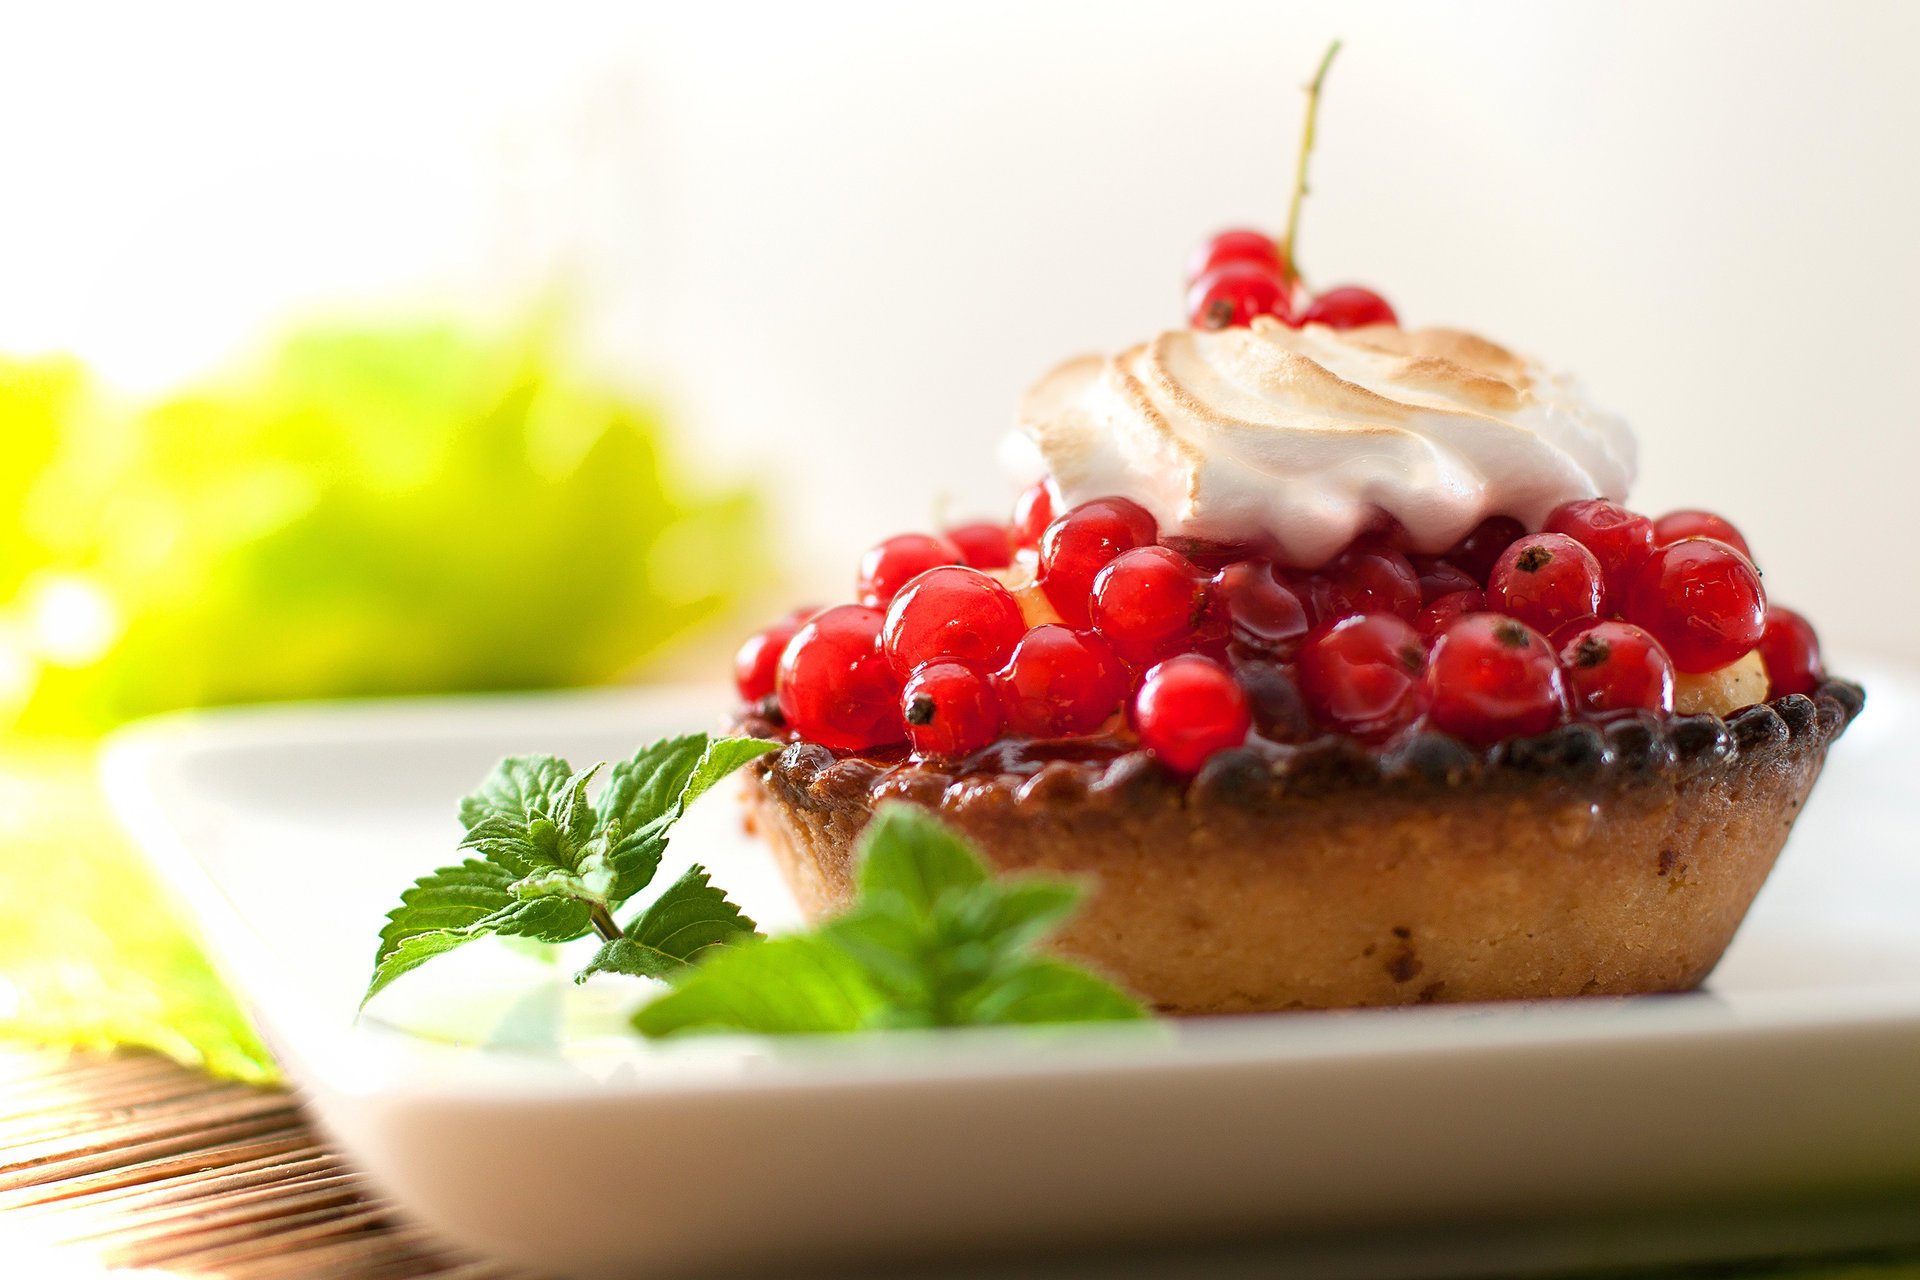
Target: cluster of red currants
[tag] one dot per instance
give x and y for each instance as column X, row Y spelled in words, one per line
column 1238, row 275
column 1507, row 634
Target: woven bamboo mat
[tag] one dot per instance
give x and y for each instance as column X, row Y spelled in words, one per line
column 131, row 1161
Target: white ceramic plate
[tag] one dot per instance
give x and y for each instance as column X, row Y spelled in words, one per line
column 510, row 1108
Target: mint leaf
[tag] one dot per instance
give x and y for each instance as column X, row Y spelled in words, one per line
column 683, row 922
column 1045, row 990
column 647, row 794
column 797, row 985
column 915, row 860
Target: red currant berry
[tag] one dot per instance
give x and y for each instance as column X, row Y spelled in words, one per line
column 1235, row 246
column 1060, row 682
column 1547, row 579
column 1362, row 675
column 1148, row 602
column 1032, row 513
column 1675, row 525
column 1263, row 615
column 1367, row 577
column 1477, row 551
column 983, row 544
column 1615, row 666
column 835, row 686
column 1081, row 543
column 952, row 612
column 892, row 564
column 1234, row 293
column 1349, row 307
column 758, row 660
column 1701, row 599
column 1791, row 653
column 1441, row 577
column 1279, row 712
column 1187, row 709
column 1619, row 539
column 950, row 709
column 1445, row 611
column 1492, row 677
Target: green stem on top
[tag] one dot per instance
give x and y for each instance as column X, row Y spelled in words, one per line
column 1288, row 242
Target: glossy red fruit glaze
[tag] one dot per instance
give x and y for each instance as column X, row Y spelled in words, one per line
column 1148, row 602
column 1442, row 613
column 1619, row 539
column 1187, row 709
column 1616, row 666
column 951, row 612
column 835, row 685
column 1263, row 615
column 1060, row 682
column 983, row 544
column 1482, row 546
column 1081, row 543
column 1362, row 675
column 1349, row 307
column 891, row 565
column 1791, row 652
column 1367, row 577
column 1492, row 677
column 950, row 709
column 1032, row 513
column 1702, row 600
column 1675, row 525
column 1441, row 577
column 1547, row 580
column 757, row 662
column 1238, row 245
column 1234, row 293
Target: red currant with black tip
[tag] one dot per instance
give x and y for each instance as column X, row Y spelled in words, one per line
column 1491, row 677
column 983, row 544
column 952, row 612
column 1615, row 666
column 1368, row 577
column 758, row 660
column 835, row 686
column 1483, row 545
column 1702, row 600
column 1234, row 293
column 950, row 709
column 1349, row 306
column 1148, row 602
column 890, row 565
column 1619, row 539
column 1187, row 709
column 1060, row 682
column 1448, row 609
column 1032, row 513
column 1238, row 245
column 1545, row 580
column 1078, row 545
column 1361, row 675
column 1264, row 615
column 1675, row 525
column 1791, row 652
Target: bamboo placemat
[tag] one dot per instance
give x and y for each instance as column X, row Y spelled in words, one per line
column 130, row 1161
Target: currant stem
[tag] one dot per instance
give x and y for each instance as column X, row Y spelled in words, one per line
column 1300, row 170
column 603, row 923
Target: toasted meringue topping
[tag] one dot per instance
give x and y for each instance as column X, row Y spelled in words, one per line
column 1299, row 439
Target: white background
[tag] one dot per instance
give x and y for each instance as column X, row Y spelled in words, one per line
column 838, row 239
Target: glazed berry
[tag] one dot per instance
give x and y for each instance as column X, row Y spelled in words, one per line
column 1273, row 698
column 1492, row 677
column 1349, row 307
column 1060, row 682
column 1441, row 577
column 1368, row 577
column 952, row 612
column 1619, row 539
column 950, row 709
column 835, row 685
column 1442, row 613
column 1235, row 246
column 1477, row 552
column 1032, row 513
column 1264, row 616
column 892, row 564
column 1187, row 709
column 758, row 660
column 1701, row 598
column 1362, row 675
column 1234, row 293
column 983, row 544
column 1078, row 545
column 1546, row 580
column 1675, row 525
column 1148, row 603
column 1791, row 653
column 1615, row 666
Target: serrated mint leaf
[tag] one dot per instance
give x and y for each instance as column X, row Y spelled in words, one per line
column 646, row 795
column 413, row 951
column 1017, row 913
column 675, row 929
column 1046, row 990
column 908, row 855
column 449, row 899
column 518, row 786
column 797, row 985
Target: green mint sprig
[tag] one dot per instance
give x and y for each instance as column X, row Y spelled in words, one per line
column 552, row 865
column 932, row 939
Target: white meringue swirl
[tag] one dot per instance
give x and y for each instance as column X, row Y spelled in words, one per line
column 1299, row 438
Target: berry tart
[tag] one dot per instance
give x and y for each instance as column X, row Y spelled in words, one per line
column 1329, row 653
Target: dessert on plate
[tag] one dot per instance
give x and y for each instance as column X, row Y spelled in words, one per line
column 1328, row 651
